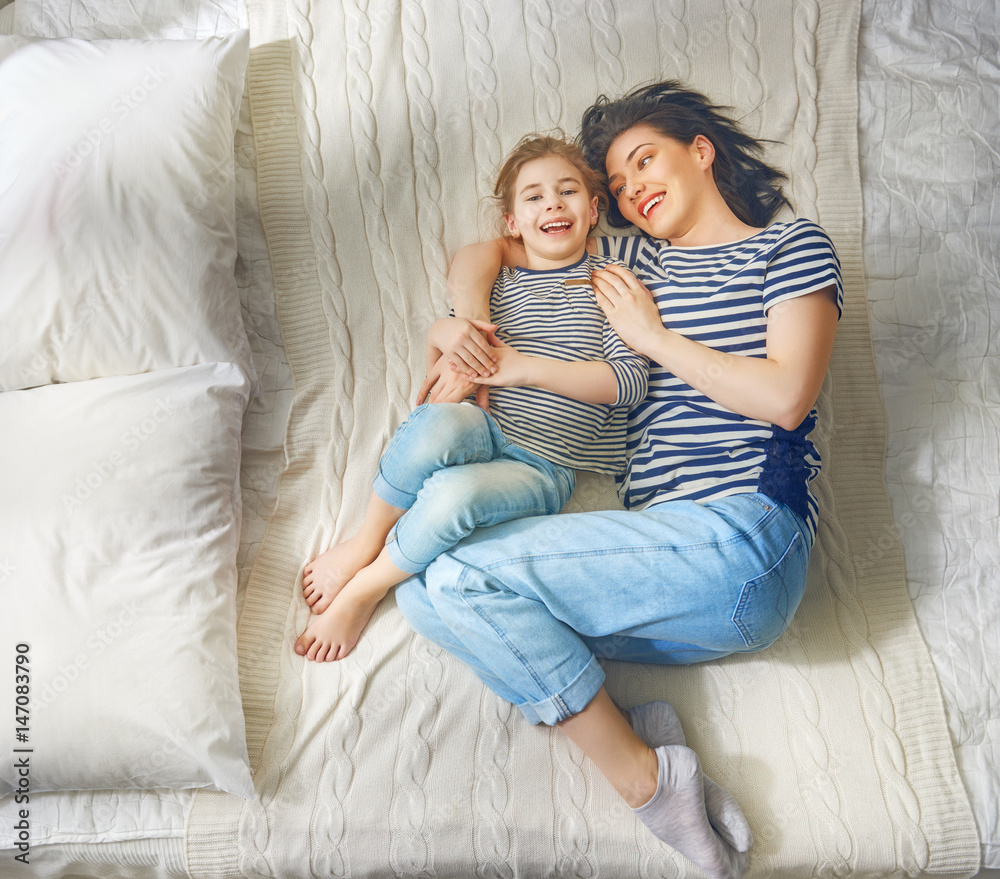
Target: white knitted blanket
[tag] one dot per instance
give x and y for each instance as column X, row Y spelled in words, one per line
column 379, row 126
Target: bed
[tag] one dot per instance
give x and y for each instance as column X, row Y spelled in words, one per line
column 247, row 213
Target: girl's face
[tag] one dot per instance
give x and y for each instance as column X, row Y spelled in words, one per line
column 552, row 212
column 660, row 184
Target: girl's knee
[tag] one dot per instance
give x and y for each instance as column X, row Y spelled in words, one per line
column 450, row 421
column 450, row 495
column 447, row 433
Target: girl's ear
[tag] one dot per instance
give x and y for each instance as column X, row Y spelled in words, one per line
column 511, row 225
column 593, row 211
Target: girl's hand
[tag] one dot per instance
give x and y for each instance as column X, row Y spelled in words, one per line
column 444, row 384
column 512, row 367
column 628, row 306
column 463, row 342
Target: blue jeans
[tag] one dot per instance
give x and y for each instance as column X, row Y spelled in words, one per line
column 452, row 469
column 531, row 605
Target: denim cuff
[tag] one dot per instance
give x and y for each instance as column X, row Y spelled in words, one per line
column 572, row 699
column 397, row 557
column 392, row 495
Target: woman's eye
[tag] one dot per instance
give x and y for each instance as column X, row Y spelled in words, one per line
column 618, row 191
column 643, row 161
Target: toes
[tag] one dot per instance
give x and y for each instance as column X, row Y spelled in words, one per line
column 304, row 642
column 345, row 649
column 725, row 815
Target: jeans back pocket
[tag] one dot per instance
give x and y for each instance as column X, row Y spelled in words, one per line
column 767, row 603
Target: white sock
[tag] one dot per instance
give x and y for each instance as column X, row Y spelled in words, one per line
column 676, row 815
column 656, row 723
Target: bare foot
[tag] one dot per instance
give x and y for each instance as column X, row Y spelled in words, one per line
column 331, row 571
column 333, row 634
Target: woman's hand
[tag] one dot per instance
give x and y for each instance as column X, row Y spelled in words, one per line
column 463, row 342
column 628, row 306
column 444, row 384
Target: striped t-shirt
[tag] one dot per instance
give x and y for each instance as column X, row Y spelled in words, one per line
column 554, row 314
column 681, row 444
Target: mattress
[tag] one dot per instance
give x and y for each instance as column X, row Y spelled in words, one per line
column 314, row 743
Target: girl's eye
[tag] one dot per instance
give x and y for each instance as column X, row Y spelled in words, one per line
column 568, row 192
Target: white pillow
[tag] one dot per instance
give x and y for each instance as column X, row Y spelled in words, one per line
column 119, row 528
column 124, row 19
column 117, row 207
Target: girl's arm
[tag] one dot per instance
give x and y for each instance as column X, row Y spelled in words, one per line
column 780, row 388
column 589, row 381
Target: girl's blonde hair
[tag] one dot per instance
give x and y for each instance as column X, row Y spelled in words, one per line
column 535, row 146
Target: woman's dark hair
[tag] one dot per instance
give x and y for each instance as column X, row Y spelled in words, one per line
column 751, row 188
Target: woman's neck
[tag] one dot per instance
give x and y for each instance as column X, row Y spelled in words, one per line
column 715, row 224
column 728, row 234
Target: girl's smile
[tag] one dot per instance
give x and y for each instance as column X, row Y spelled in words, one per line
column 552, row 212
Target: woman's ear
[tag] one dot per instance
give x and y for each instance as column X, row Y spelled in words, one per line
column 704, row 149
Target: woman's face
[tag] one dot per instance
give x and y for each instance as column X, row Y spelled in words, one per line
column 552, row 212
column 659, row 182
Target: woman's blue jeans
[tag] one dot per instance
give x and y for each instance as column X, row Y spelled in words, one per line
column 532, row 604
column 452, row 469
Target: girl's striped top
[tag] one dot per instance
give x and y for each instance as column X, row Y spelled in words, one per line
column 681, row 444
column 554, row 314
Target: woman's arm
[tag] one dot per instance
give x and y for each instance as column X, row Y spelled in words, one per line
column 471, row 277
column 780, row 388
column 463, row 343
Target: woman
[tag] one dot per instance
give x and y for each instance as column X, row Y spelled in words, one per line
column 737, row 315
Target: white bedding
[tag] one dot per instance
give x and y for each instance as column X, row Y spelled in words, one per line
column 928, row 135
column 110, row 816
column 129, row 647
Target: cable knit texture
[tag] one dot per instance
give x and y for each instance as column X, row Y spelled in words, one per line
column 378, row 129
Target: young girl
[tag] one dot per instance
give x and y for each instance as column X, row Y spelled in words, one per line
column 562, row 381
column 737, row 314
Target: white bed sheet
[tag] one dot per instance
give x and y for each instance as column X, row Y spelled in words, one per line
column 928, row 130
column 929, row 138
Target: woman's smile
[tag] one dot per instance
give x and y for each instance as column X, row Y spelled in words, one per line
column 645, row 167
